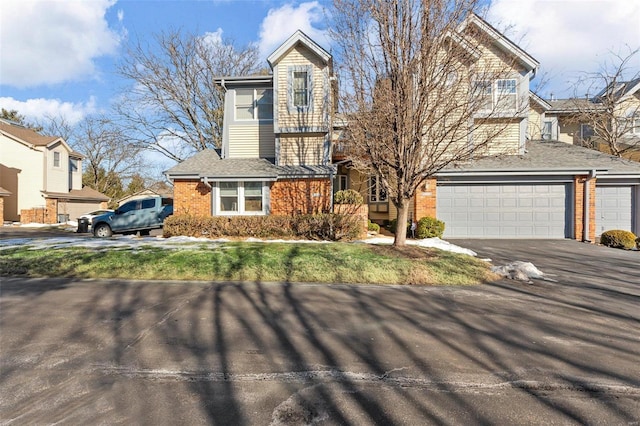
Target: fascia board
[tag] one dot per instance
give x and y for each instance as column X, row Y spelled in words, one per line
column 298, row 37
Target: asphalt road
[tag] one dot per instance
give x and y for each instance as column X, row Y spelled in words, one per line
column 112, row 352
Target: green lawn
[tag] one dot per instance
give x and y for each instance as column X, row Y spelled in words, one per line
column 290, row 262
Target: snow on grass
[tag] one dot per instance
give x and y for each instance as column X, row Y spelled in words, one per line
column 124, row 242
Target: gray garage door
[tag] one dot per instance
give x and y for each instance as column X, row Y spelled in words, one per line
column 504, row 211
column 613, row 208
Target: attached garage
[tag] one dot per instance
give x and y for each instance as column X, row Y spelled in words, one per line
column 614, row 208
column 505, row 210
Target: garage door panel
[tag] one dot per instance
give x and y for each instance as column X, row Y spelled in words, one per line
column 614, row 205
column 509, row 211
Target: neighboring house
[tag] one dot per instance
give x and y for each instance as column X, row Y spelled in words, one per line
column 285, row 152
column 42, row 178
column 158, row 189
column 619, row 110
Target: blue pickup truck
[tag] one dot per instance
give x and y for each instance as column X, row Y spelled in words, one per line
column 133, row 216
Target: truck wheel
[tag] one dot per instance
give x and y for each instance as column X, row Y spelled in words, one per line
column 103, row 231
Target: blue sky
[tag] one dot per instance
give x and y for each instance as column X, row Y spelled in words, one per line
column 58, row 56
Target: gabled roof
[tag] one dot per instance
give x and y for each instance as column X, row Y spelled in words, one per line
column 26, row 135
column 537, row 99
column 621, row 89
column 572, row 105
column 506, row 45
column 302, row 38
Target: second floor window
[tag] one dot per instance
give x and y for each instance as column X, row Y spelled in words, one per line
column 56, row 159
column 501, row 95
column 300, row 89
column 507, row 95
column 254, row 104
column 300, row 82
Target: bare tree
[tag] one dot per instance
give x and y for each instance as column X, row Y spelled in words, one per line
column 110, row 157
column 419, row 93
column 174, row 106
column 613, row 114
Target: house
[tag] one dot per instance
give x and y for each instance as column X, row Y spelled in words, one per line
column 284, row 151
column 157, row 189
column 41, row 178
column 275, row 154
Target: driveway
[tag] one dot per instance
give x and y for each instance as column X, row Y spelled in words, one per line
column 569, row 262
column 96, row 352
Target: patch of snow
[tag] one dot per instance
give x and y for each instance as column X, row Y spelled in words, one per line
column 521, row 271
column 121, row 242
column 436, row 243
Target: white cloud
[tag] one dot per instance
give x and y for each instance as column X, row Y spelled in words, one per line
column 281, row 23
column 569, row 37
column 39, row 109
column 53, row 41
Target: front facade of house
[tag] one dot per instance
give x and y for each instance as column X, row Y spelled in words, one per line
column 275, row 154
column 284, row 152
column 42, row 177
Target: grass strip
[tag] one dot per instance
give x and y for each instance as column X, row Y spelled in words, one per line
column 281, row 262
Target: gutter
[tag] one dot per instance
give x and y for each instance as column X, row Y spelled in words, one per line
column 585, row 206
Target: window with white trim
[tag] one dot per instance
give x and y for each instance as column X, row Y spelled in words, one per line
column 501, row 95
column 56, row 159
column 547, row 129
column 254, row 104
column 377, row 193
column 240, row 198
column 506, row 94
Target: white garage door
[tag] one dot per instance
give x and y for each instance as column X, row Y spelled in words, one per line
column 613, row 208
column 504, row 211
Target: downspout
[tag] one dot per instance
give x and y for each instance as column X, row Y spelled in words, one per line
column 585, row 207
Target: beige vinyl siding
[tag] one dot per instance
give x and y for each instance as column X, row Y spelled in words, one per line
column 506, row 141
column 535, row 123
column 301, row 149
column 569, row 132
column 251, row 141
column 317, row 115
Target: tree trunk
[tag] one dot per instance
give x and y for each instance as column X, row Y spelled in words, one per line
column 400, row 239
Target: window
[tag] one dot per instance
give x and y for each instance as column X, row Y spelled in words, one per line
column 127, row 207
column 300, row 88
column 148, row 204
column 229, row 196
column 254, row 104
column 485, row 95
column 586, row 132
column 253, row 196
column 341, row 183
column 546, row 130
column 74, row 164
column 56, row 159
column 241, row 198
column 377, row 193
column 507, row 94
column 502, row 95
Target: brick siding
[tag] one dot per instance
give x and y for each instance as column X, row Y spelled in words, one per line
column 191, row 197
column 578, row 208
column 361, row 212
column 300, row 196
column 425, row 200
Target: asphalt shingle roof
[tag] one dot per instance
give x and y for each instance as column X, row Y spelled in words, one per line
column 208, row 164
column 26, row 134
column 552, row 156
